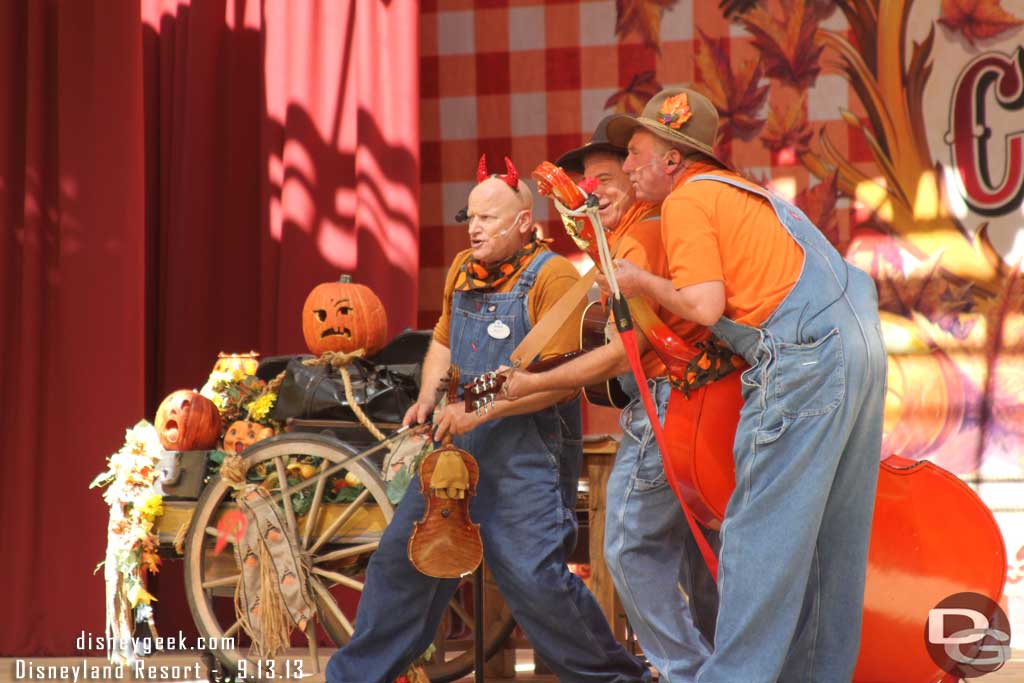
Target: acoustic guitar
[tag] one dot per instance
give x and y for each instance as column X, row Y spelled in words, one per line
column 481, row 393
column 594, row 334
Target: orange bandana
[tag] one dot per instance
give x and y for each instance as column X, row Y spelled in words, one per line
column 476, row 275
column 638, row 212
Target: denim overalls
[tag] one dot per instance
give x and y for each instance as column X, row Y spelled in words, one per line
column 525, row 505
column 796, row 530
column 651, row 552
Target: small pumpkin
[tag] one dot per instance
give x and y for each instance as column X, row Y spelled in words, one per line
column 241, row 434
column 229, row 362
column 187, row 421
column 344, row 316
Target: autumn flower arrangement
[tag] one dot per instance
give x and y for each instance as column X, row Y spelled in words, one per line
column 135, row 504
column 239, row 395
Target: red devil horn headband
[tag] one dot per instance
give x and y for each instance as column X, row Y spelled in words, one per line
column 511, row 178
column 481, row 169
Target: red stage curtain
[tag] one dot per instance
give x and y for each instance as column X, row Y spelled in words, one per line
column 174, row 179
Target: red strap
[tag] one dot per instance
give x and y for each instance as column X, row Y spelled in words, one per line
column 633, row 354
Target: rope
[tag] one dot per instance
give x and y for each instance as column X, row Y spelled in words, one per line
column 179, row 538
column 233, row 471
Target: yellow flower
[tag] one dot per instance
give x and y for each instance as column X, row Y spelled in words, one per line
column 260, row 408
column 137, row 594
column 152, row 506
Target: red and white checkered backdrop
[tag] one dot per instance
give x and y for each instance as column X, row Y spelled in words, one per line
column 531, row 79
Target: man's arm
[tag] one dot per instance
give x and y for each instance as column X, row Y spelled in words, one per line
column 702, row 303
column 455, row 420
column 594, row 366
column 435, row 367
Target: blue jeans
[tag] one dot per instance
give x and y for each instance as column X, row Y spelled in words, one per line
column 657, row 568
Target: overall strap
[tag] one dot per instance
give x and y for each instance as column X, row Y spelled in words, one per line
column 734, row 182
column 529, row 275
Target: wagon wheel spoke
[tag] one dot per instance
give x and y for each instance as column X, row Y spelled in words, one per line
column 282, row 480
column 314, row 651
column 314, row 508
column 337, row 578
column 461, row 612
column 328, row 603
column 344, row 517
column 224, row 581
column 351, row 551
column 233, row 629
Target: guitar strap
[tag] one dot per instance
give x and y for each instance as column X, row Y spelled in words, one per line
column 552, row 321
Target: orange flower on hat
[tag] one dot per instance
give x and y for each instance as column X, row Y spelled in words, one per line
column 675, row 111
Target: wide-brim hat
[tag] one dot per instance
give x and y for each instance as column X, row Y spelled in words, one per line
column 572, row 160
column 681, row 116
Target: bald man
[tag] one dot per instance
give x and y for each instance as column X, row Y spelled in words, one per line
column 529, row 461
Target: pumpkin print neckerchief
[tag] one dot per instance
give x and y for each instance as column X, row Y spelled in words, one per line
column 476, row 275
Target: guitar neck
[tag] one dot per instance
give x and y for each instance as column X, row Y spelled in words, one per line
column 553, row 361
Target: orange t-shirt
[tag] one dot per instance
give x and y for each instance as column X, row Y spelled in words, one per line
column 554, row 279
column 714, row 231
column 638, row 238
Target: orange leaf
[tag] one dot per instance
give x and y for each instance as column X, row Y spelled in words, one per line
column 642, row 17
column 789, row 128
column 785, row 37
column 736, row 94
column 231, row 527
column 632, row 98
column 977, row 19
column 819, row 203
column 929, row 290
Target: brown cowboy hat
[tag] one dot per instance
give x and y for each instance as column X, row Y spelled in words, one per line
column 572, row 160
column 680, row 116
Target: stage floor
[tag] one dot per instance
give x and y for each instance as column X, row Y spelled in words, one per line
column 184, row 664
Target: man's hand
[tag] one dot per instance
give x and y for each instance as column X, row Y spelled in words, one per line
column 517, row 384
column 629, row 277
column 454, row 420
column 418, row 412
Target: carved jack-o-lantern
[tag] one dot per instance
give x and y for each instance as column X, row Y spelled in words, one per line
column 187, row 421
column 241, row 434
column 344, row 316
column 229, row 362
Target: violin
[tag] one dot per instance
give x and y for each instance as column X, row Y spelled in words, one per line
column 446, row 543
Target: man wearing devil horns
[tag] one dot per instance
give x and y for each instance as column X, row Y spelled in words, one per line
column 529, row 460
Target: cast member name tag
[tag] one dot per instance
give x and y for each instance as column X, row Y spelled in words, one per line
column 498, row 330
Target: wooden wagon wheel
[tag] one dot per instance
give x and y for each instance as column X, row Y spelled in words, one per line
column 338, row 544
